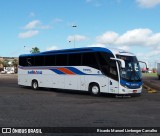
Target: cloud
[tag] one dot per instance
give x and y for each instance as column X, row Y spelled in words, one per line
column 33, row 29
column 36, row 24
column 28, row 34
column 52, row 48
column 76, row 38
column 107, row 38
column 33, row 24
column 126, row 48
column 97, row 45
column 148, row 3
column 135, row 37
column 152, row 54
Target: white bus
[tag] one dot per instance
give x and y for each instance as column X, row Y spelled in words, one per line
column 92, row 69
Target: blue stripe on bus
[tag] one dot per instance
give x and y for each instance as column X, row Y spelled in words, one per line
column 57, row 71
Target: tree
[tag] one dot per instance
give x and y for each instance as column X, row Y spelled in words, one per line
column 15, row 65
column 35, row 50
column 1, row 62
column 1, row 65
column 5, row 63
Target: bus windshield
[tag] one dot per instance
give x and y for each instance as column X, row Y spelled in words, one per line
column 132, row 71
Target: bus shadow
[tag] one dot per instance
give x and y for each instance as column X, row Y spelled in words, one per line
column 86, row 93
column 67, row 92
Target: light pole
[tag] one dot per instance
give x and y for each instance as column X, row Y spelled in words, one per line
column 74, row 26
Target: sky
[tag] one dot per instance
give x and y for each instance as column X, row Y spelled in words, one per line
column 132, row 25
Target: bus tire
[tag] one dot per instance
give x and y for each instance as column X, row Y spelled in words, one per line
column 159, row 77
column 94, row 89
column 35, row 84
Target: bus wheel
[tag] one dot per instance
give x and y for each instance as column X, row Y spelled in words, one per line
column 94, row 89
column 35, row 85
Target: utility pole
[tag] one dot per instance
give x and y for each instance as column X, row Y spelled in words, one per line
column 74, row 26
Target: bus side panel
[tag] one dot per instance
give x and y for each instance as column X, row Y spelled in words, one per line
column 58, row 81
column 71, row 81
column 44, row 80
column 23, row 78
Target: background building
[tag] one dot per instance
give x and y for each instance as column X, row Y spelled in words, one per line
column 8, row 62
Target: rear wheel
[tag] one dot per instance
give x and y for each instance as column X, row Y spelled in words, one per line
column 159, row 77
column 35, row 85
column 94, row 89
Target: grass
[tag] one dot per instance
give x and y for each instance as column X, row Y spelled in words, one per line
column 149, row 74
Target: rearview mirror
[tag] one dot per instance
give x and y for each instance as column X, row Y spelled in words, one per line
column 145, row 64
column 121, row 61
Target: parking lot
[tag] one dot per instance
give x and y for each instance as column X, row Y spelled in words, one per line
column 24, row 107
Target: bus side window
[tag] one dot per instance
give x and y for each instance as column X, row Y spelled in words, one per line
column 89, row 59
column 30, row 61
column 103, row 61
column 50, row 60
column 39, row 60
column 22, row 61
column 62, row 60
column 74, row 59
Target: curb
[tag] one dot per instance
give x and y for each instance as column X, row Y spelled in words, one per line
column 150, row 90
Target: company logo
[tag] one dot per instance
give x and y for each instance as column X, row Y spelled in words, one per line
column 87, row 70
column 34, row 72
column 6, row 130
column 132, row 84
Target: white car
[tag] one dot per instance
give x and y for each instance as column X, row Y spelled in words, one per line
column 3, row 72
column 150, row 71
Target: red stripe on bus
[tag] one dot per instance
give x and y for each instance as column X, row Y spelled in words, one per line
column 66, row 71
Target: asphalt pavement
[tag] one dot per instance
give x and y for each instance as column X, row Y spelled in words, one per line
column 24, row 107
column 152, row 81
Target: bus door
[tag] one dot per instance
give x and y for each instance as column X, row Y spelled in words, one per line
column 113, row 86
column 113, row 77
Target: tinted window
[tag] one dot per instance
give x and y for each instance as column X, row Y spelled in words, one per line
column 108, row 66
column 26, row 61
column 103, row 59
column 50, row 60
column 22, row 61
column 30, row 61
column 61, row 60
column 39, row 61
column 113, row 70
column 89, row 59
column 74, row 60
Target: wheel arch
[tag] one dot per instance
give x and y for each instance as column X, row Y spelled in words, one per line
column 94, row 82
column 33, row 81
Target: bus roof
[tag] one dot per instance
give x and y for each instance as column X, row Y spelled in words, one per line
column 81, row 50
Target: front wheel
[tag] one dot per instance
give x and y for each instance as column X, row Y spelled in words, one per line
column 94, row 89
column 35, row 85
